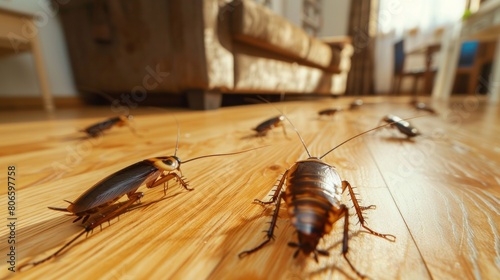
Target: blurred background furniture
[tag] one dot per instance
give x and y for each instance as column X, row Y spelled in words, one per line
column 483, row 26
column 400, row 72
column 474, row 67
column 420, row 62
column 199, row 48
column 18, row 34
column 416, row 59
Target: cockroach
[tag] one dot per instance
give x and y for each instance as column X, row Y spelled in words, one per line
column 313, row 196
column 102, row 196
column 403, row 126
column 356, row 104
column 263, row 128
column 98, row 128
column 329, row 112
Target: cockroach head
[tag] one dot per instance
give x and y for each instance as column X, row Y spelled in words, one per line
column 308, row 241
column 169, row 163
column 307, row 249
column 415, row 132
column 126, row 118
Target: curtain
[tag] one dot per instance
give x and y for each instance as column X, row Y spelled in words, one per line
column 397, row 17
column 426, row 15
column 362, row 31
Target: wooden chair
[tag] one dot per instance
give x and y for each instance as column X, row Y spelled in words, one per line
column 399, row 71
column 13, row 40
column 473, row 56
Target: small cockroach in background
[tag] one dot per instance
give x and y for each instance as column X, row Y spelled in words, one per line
column 329, row 112
column 99, row 202
column 313, row 199
column 356, row 104
column 98, row 128
column 403, row 126
column 263, row 128
column 421, row 106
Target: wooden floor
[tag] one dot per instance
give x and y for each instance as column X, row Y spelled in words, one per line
column 438, row 194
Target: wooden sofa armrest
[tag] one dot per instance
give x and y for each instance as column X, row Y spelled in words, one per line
column 337, row 41
column 344, row 45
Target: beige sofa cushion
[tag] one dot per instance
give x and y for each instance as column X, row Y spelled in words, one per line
column 256, row 25
column 257, row 71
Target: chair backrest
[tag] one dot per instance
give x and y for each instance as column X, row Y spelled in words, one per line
column 399, row 57
column 468, row 52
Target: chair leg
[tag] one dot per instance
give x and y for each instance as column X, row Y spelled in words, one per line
column 396, row 84
column 473, row 81
column 414, row 89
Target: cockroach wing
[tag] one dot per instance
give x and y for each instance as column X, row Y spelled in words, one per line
column 317, row 175
column 313, row 193
column 111, row 188
column 100, row 127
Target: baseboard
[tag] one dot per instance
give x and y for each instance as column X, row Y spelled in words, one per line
column 23, row 103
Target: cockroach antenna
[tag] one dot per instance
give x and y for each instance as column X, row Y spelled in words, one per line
column 99, row 92
column 365, row 132
column 293, row 126
column 226, row 154
column 178, row 135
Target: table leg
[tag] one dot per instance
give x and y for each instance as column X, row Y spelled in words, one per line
column 41, row 70
column 448, row 63
column 428, row 71
column 494, row 81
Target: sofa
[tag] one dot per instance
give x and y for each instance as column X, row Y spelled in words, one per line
column 200, row 48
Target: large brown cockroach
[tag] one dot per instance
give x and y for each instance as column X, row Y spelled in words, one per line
column 100, row 198
column 313, row 198
column 263, row 128
column 403, row 126
column 98, row 128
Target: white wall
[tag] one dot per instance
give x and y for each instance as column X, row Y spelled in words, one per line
column 292, row 10
column 335, row 17
column 17, row 72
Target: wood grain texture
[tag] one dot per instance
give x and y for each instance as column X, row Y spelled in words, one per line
column 438, row 194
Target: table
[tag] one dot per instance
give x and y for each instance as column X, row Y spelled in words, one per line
column 484, row 25
column 18, row 33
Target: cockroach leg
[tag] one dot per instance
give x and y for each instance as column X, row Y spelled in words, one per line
column 167, row 177
column 345, row 240
column 133, row 197
column 284, row 131
column 371, row 207
column 24, row 266
column 346, row 185
column 270, row 231
column 276, row 192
